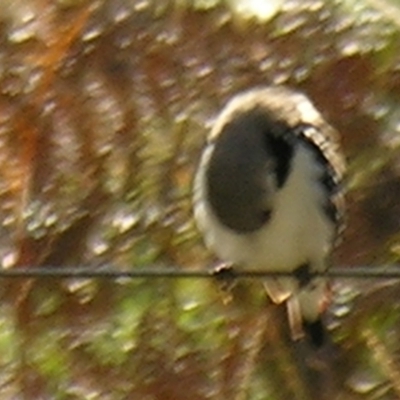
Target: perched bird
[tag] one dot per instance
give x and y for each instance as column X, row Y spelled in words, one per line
column 268, row 196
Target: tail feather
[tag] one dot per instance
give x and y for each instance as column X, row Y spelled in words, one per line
column 305, row 305
column 295, row 318
column 300, row 327
column 313, row 300
column 278, row 290
column 315, row 331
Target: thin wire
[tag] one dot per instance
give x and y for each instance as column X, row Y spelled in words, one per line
column 109, row 272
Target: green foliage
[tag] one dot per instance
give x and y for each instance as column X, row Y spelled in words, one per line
column 104, row 107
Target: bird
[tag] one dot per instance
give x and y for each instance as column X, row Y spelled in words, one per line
column 268, row 195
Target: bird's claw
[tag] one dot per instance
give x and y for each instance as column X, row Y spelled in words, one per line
column 226, row 277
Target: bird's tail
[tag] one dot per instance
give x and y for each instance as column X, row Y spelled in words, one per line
column 305, row 306
column 305, row 310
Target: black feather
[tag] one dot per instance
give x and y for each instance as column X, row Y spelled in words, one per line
column 329, row 179
column 315, row 331
column 282, row 151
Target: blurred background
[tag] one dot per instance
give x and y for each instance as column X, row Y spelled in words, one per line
column 104, row 108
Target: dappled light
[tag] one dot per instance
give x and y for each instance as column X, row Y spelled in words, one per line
column 104, row 110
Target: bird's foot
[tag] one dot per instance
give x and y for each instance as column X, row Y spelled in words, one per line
column 226, row 277
column 303, row 275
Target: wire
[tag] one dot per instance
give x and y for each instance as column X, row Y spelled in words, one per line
column 109, row 272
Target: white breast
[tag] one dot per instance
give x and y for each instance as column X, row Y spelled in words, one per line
column 298, row 231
